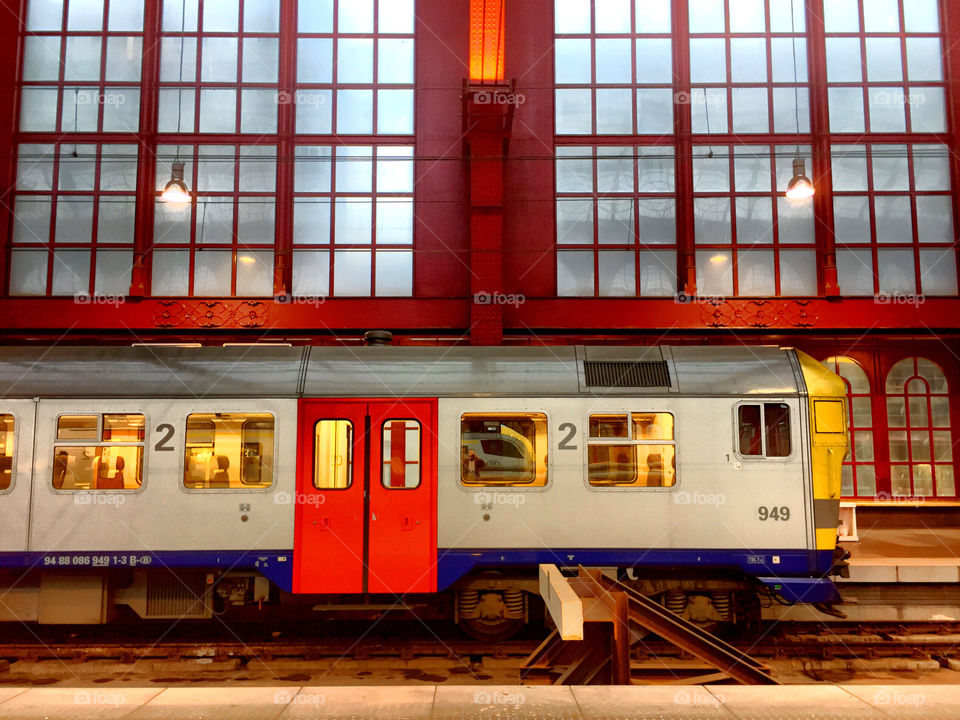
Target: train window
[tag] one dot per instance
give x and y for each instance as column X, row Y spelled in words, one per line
column 6, row 451
column 764, row 430
column 503, row 449
column 401, row 454
column 333, row 455
column 77, row 427
column 229, row 451
column 109, row 458
column 640, row 454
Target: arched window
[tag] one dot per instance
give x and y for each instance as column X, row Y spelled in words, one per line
column 859, row 469
column 918, row 414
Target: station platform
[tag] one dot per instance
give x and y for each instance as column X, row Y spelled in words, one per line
column 924, row 554
column 721, row 702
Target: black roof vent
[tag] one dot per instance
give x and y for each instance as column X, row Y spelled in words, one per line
column 627, row 374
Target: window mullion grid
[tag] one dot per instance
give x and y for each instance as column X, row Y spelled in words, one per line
column 595, row 169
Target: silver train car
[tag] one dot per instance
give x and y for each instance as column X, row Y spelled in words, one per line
column 176, row 482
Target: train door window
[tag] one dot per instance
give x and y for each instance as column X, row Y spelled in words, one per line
column 229, row 451
column 763, row 430
column 333, row 455
column 109, row 458
column 503, row 449
column 6, row 451
column 401, row 454
column 635, row 450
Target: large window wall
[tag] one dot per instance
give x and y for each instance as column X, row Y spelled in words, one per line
column 725, row 87
column 254, row 103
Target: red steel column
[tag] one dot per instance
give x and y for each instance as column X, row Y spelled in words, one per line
column 950, row 14
column 487, row 134
column 683, row 123
column 822, row 175
column 9, row 73
column 287, row 98
column 147, row 167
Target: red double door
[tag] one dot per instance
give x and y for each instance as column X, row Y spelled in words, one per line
column 366, row 504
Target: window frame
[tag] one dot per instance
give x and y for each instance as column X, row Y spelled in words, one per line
column 500, row 487
column 313, row 454
column 419, row 463
column 143, row 445
column 588, row 441
column 763, row 402
column 212, row 491
column 13, row 455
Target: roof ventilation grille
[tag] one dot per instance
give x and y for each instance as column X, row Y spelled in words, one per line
column 627, row 374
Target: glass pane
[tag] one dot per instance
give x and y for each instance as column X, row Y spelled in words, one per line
column 755, row 221
column 221, row 16
column 924, row 59
column 861, row 411
column 710, row 174
column 355, row 169
column 613, row 61
column 883, row 59
column 927, row 110
column 258, row 111
column 315, row 16
column 6, row 451
column 84, row 15
column 574, row 112
column 503, row 449
column 614, row 112
column 396, row 16
column 395, row 61
column 574, row 169
column 658, row 274
column 44, row 15
column 229, row 451
column 97, row 468
column 354, row 221
column 896, row 271
column 777, row 421
column 171, row 273
column 855, row 272
column 394, row 274
column 28, row 272
column 71, row 272
column 615, row 225
column 352, row 274
column 631, row 465
column 712, row 221
column 212, row 273
column 395, row 112
column 311, row 221
column 394, row 221
column 894, row 219
column 934, row 376
column 866, row 481
column 940, row 412
column 255, row 274
column 312, row 169
column 749, row 425
column 612, row 16
column 748, row 60
column 846, row 480
column 707, row 16
column 400, row 457
column 782, row 58
column 314, row 60
column 219, row 60
column 899, row 375
column 755, row 273
column 654, row 61
column 113, row 273
column 935, row 221
column 798, row 273
column 795, row 223
column 863, row 446
column 395, row 169
column 881, row 16
column 355, row 16
column 842, row 16
column 846, row 110
column 572, row 16
column 708, row 61
column 748, row 16
column 617, row 274
column 750, row 110
column 900, row 480
column 658, row 221
column 218, row 111
column 575, row 274
column 852, row 219
column 918, row 411
column 922, row 480
column 898, row 447
column 946, row 486
column 942, row 447
column 77, row 427
column 41, row 59
column 123, row 59
column 575, row 222
column 890, row 169
column 609, row 426
column 32, row 220
column 123, row 428
column 920, row 446
column 922, row 16
column 355, row 112
column 354, row 61
column 654, row 111
column 38, row 108
column 653, row 16
column 260, row 58
column 714, row 273
column 311, row 274
column 652, row 426
column 931, row 168
column 262, row 16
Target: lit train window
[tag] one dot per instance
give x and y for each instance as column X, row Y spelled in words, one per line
column 227, row 451
column 99, row 452
column 333, row 455
column 503, row 449
column 6, row 451
column 764, row 430
column 401, row 454
column 635, row 450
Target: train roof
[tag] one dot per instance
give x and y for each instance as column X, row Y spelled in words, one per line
column 280, row 372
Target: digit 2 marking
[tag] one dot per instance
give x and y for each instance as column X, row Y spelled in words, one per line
column 571, row 431
column 163, row 445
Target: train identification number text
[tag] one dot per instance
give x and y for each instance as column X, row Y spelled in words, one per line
column 777, row 514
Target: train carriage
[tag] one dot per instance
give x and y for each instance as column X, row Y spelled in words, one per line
column 172, row 480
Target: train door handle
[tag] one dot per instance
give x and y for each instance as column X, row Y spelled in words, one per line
column 325, row 524
column 406, row 524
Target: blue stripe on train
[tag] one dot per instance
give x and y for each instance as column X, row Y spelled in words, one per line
column 277, row 565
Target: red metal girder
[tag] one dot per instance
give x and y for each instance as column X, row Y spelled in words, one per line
column 286, row 122
column 950, row 12
column 9, row 73
column 683, row 124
